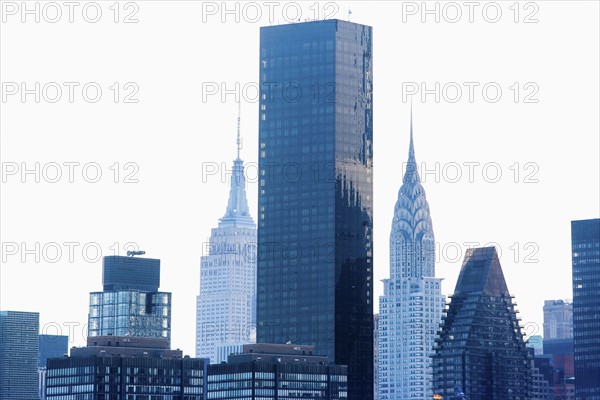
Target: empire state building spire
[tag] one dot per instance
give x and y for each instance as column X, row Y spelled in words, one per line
column 237, row 213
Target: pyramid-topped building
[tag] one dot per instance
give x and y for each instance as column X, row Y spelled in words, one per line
column 481, row 273
column 480, row 352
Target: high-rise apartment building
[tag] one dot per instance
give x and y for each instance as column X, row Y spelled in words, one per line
column 315, row 221
column 480, row 352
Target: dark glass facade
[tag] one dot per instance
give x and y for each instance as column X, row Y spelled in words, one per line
column 480, row 350
column 129, row 273
column 585, row 245
column 273, row 372
column 315, row 224
column 52, row 346
column 19, row 344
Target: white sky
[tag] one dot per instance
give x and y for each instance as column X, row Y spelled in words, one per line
column 171, row 54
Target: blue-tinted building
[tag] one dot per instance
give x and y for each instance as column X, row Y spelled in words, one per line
column 51, row 346
column 585, row 245
column 19, row 344
column 315, row 222
column 130, row 304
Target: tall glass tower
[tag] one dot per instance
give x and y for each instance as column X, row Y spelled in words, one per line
column 130, row 304
column 19, row 344
column 412, row 304
column 226, row 305
column 585, row 243
column 315, row 224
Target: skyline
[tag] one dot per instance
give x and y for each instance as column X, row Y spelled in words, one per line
column 129, row 213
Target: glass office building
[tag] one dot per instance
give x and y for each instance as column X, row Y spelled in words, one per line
column 19, row 343
column 585, row 243
column 315, row 223
column 130, row 304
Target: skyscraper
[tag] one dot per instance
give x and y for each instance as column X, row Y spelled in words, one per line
column 19, row 343
column 480, row 352
column 315, row 224
column 412, row 304
column 130, row 304
column 226, row 305
column 558, row 319
column 585, row 245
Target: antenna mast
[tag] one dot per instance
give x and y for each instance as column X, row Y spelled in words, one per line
column 239, row 140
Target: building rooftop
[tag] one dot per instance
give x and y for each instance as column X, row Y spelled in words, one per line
column 126, row 346
column 279, row 353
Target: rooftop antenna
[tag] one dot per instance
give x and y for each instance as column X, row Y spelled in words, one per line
column 239, row 139
column 349, row 14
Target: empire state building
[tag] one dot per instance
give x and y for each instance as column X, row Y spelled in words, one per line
column 226, row 305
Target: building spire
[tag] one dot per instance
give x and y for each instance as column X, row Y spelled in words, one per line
column 237, row 212
column 411, row 148
column 411, row 174
column 239, row 138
